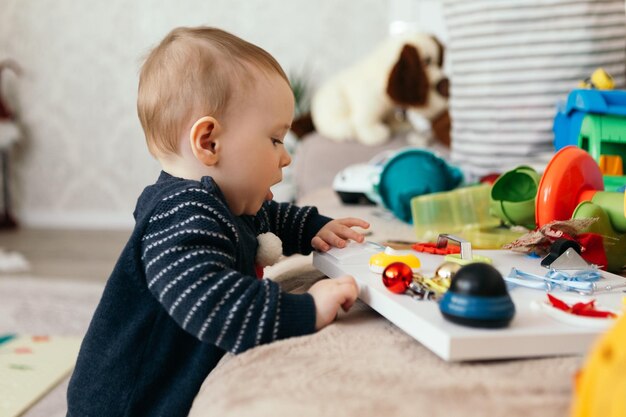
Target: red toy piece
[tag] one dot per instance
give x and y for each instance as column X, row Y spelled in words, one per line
column 489, row 178
column 432, row 248
column 587, row 309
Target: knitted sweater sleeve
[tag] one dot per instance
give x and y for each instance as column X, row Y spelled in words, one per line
column 188, row 255
column 295, row 226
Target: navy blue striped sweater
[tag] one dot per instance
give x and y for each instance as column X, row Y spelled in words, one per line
column 183, row 293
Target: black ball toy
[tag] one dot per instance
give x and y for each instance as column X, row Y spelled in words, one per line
column 478, row 297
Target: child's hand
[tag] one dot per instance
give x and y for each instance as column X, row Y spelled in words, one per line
column 336, row 232
column 329, row 295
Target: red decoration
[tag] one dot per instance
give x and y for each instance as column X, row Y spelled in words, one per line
column 258, row 269
column 397, row 277
column 432, row 248
column 593, row 249
column 580, row 309
column 489, row 178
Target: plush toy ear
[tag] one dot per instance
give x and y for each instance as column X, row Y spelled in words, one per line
column 408, row 83
column 440, row 48
column 441, row 128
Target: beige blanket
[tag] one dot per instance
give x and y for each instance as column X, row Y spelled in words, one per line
column 362, row 365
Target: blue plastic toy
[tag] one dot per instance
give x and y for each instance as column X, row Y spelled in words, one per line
column 595, row 121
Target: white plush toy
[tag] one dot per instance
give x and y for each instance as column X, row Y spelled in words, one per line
column 268, row 253
column 404, row 72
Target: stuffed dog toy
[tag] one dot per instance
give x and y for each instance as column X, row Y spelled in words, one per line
column 405, row 72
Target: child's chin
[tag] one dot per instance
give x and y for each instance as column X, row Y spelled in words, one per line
column 252, row 211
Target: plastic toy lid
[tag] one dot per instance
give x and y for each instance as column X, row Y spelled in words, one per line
column 570, row 173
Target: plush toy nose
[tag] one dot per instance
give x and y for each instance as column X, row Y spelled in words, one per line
column 443, row 87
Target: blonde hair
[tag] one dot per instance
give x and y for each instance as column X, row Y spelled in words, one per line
column 190, row 74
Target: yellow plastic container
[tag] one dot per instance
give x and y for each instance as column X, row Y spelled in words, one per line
column 463, row 212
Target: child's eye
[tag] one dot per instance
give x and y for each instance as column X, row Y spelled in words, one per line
column 277, row 141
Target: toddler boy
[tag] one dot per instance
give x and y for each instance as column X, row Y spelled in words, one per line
column 215, row 110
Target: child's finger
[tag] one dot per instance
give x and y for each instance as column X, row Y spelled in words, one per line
column 347, row 305
column 348, row 233
column 339, row 235
column 345, row 279
column 354, row 221
column 350, row 288
column 350, row 296
column 330, row 237
column 319, row 244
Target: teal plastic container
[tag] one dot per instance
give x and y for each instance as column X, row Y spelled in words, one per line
column 412, row 173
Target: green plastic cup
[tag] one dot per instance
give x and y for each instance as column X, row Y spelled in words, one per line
column 613, row 203
column 513, row 197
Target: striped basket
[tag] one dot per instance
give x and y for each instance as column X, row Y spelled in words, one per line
column 511, row 63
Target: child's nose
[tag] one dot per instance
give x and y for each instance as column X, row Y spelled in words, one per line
column 285, row 158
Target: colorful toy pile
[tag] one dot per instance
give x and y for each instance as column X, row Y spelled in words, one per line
column 571, row 188
column 469, row 291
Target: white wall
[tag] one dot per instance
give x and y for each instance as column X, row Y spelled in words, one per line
column 83, row 160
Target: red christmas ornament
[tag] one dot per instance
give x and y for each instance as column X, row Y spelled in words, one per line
column 397, row 277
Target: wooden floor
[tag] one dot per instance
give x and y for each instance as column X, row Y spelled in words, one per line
column 75, row 254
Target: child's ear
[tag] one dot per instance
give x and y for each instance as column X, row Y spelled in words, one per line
column 203, row 140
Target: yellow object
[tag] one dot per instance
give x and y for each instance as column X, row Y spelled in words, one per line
column 463, row 212
column 611, row 165
column 601, row 385
column 475, row 258
column 439, row 286
column 600, row 79
column 379, row 261
column 491, row 238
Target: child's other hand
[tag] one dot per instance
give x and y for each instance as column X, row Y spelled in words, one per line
column 337, row 232
column 329, row 295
